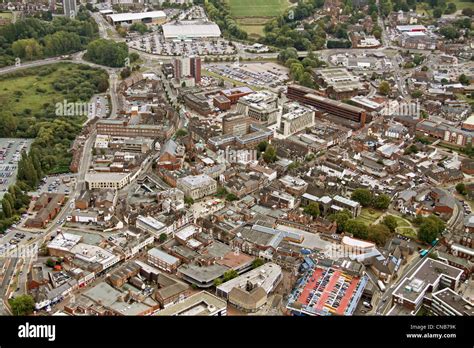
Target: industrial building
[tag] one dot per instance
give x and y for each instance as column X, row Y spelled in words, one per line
column 182, row 30
column 152, row 17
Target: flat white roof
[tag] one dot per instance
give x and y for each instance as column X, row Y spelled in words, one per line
column 105, row 177
column 121, row 17
column 186, row 232
column 357, row 243
column 410, row 27
column 264, row 276
column 64, row 241
column 191, row 29
column 151, row 222
column 157, row 253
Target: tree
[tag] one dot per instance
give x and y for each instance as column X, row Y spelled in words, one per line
column 140, row 27
column 461, row 188
column 391, row 222
column 134, row 56
column 188, row 200
column 163, row 237
column 107, row 52
column 312, row 209
column 464, row 79
column 356, row 228
column 428, row 231
column 411, row 149
column 217, row 282
column 7, row 208
column 451, row 8
column 269, row 155
column 384, row 88
column 379, row 234
column 287, row 53
column 449, row 32
column 181, row 132
column 363, row 196
column 27, row 48
column 416, row 94
column 231, row 197
column 340, row 218
column 230, row 274
column 50, row 263
column 8, row 125
column 381, row 201
column 22, row 305
column 125, row 72
column 468, row 12
column 257, row 263
column 437, row 13
column 262, row 146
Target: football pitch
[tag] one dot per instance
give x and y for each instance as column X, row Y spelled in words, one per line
column 257, row 8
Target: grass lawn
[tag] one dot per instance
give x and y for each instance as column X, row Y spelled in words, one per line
column 6, row 15
column 34, row 91
column 29, row 92
column 368, row 216
column 460, row 5
column 407, row 232
column 257, row 8
column 401, row 222
column 253, row 30
column 251, row 15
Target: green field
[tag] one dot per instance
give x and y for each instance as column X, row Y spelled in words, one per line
column 401, row 222
column 6, row 15
column 407, row 232
column 28, row 98
column 368, row 216
column 251, row 15
column 21, row 93
column 257, row 8
column 460, row 5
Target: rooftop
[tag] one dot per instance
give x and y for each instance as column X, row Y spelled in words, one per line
column 264, row 276
column 426, row 275
column 202, row 303
column 119, row 17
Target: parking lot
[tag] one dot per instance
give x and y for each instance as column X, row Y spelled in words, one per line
column 255, row 74
column 156, row 44
column 10, row 154
column 12, row 238
column 56, row 184
column 99, row 107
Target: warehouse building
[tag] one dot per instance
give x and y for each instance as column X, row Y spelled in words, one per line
column 191, row 30
column 152, row 17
